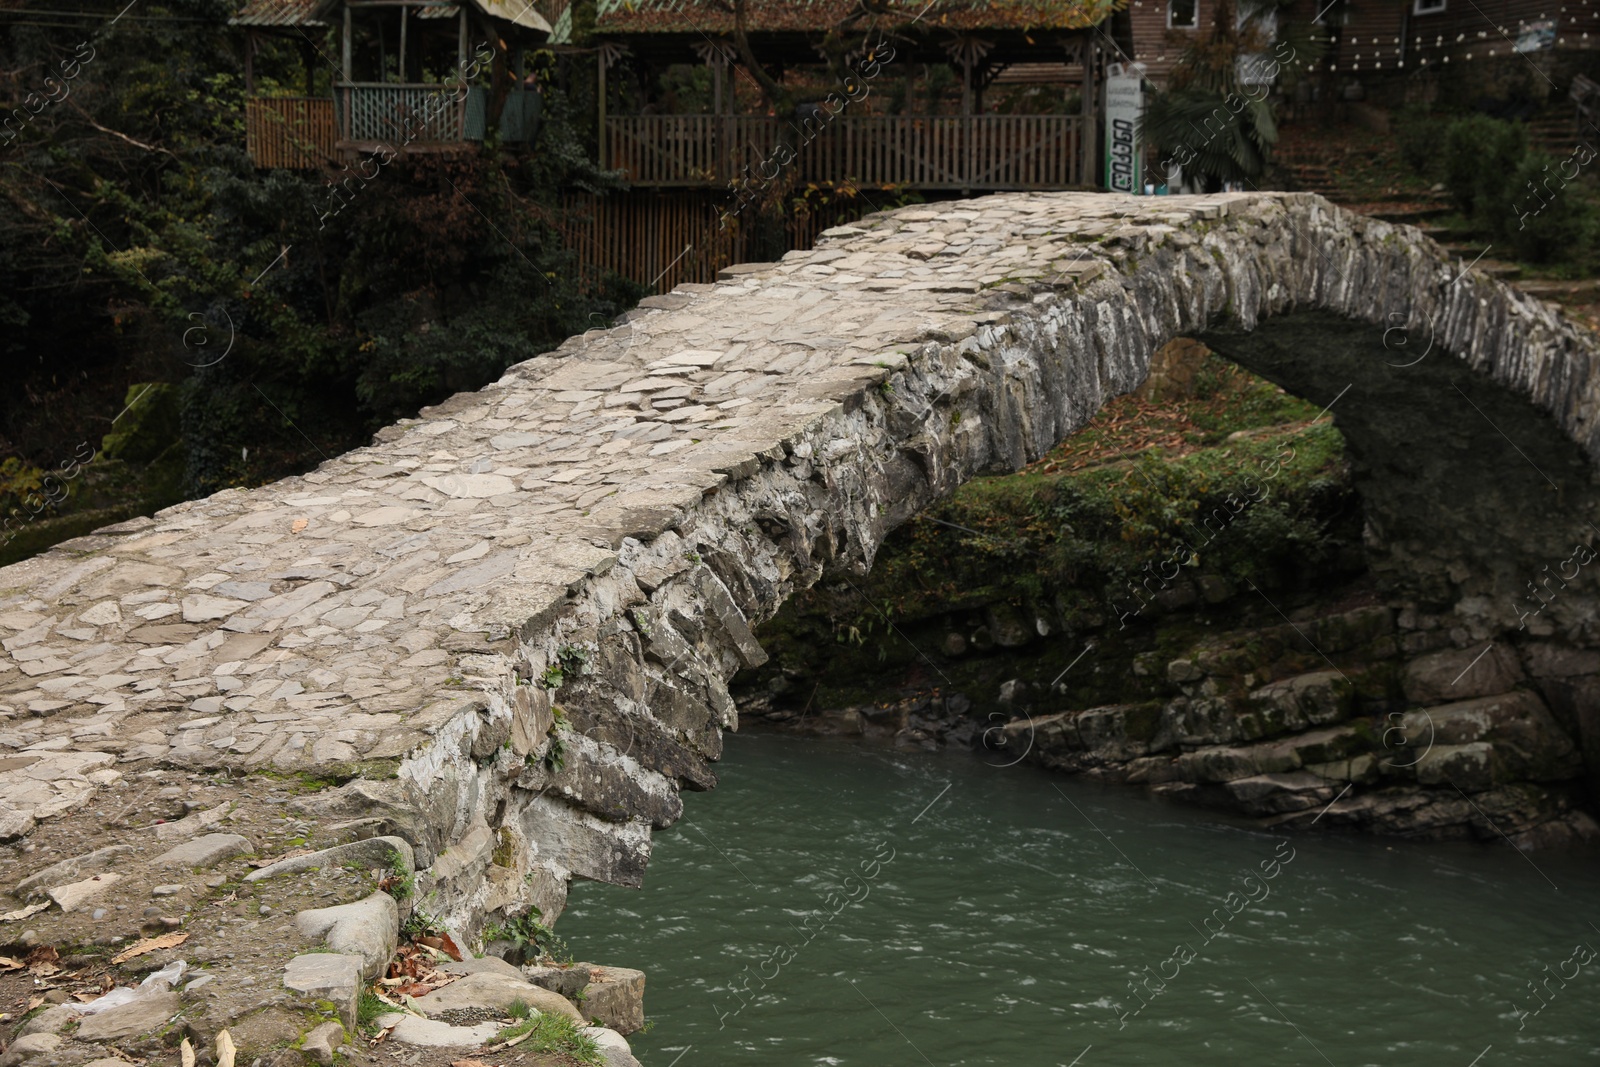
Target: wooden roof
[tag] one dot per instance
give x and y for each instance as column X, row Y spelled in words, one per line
column 317, row 12
column 278, row 13
column 618, row 17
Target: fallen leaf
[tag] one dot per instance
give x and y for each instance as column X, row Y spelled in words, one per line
column 450, row 948
column 186, row 1051
column 151, row 944
column 468, row 1063
column 42, row 961
column 8, row 963
column 33, row 1002
column 23, row 913
column 225, row 1050
column 86, row 997
column 298, row 525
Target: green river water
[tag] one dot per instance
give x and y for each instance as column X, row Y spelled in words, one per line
column 834, row 903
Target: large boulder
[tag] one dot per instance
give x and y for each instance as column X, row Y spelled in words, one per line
column 367, row 929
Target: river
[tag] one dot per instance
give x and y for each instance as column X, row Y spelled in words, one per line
column 835, row 903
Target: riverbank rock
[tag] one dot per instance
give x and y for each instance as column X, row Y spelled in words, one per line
column 487, row 989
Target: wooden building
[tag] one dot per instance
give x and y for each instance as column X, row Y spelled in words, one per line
column 394, row 75
column 1385, row 36
column 853, row 138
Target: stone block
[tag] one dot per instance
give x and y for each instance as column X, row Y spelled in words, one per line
column 1269, row 794
column 144, row 1013
column 101, row 859
column 568, row 981
column 367, row 930
column 432, row 1033
column 1468, row 767
column 1313, row 699
column 370, row 853
column 328, row 976
column 1217, row 765
column 1528, row 741
column 613, row 1048
column 74, row 895
column 615, row 996
column 205, row 852
column 30, row 1047
column 488, row 989
column 320, row 1044
column 1461, row 674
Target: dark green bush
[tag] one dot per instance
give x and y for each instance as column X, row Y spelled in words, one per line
column 1548, row 218
column 1420, row 135
column 1480, row 155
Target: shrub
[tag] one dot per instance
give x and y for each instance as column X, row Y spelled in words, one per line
column 1480, row 156
column 1548, row 218
column 1420, row 135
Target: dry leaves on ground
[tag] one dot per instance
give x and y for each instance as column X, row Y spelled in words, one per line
column 42, row 961
column 443, row 943
column 412, row 972
column 152, row 944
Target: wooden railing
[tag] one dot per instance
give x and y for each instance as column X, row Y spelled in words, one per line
column 292, row 132
column 922, row 152
column 398, row 115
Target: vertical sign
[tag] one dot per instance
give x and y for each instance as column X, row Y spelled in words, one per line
column 1124, row 101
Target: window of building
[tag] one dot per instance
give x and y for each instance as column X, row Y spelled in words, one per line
column 1185, row 14
column 1427, row 7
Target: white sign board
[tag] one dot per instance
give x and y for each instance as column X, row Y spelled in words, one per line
column 1124, row 102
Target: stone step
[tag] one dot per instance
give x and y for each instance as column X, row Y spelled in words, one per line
column 1585, row 290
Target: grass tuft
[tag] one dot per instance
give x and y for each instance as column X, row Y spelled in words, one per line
column 554, row 1033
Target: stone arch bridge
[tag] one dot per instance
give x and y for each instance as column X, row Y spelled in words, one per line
column 384, row 646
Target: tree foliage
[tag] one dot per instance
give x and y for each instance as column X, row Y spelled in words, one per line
column 139, row 244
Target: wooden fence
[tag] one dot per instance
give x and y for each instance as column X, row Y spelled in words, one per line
column 990, row 152
column 663, row 239
column 401, row 114
column 292, row 132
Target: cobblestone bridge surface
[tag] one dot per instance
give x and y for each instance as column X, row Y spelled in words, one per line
column 500, row 635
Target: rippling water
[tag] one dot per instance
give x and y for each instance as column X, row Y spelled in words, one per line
column 831, row 903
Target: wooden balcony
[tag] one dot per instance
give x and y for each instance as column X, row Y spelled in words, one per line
column 291, row 132
column 306, row 132
column 988, row 152
column 372, row 114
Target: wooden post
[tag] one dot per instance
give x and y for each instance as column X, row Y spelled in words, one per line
column 717, row 146
column 969, row 163
column 401, row 69
column 600, row 62
column 347, row 47
column 343, row 95
column 461, row 41
column 250, row 62
column 1088, row 133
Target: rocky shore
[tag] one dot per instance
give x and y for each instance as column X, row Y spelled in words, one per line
column 219, row 931
column 1369, row 719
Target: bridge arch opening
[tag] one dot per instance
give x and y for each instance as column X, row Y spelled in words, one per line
column 1447, row 614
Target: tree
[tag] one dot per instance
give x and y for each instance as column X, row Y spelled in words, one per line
column 1212, row 120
